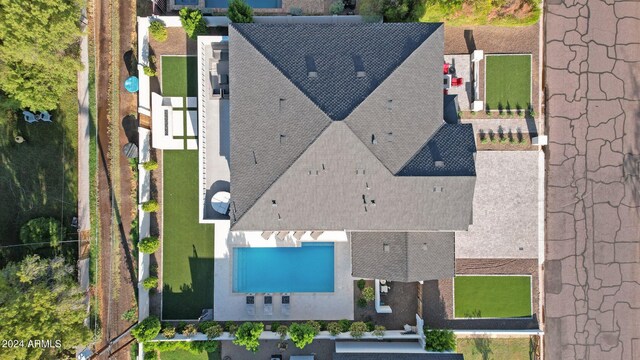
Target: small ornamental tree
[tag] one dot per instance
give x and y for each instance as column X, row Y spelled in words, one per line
column 150, row 283
column 302, row 334
column 151, row 206
column 189, row 330
column 334, row 328
column 42, row 230
column 192, row 22
column 169, row 331
column 149, row 245
column 361, row 283
column 248, row 334
column 158, row 31
column 368, row 293
column 379, row 331
column 214, row 331
column 231, row 327
column 240, row 12
column 344, row 324
column 150, row 165
column 146, row 330
column 439, row 340
column 148, row 70
column 282, row 331
column 336, row 7
column 358, row 329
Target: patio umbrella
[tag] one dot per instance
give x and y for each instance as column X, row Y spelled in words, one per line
column 131, row 84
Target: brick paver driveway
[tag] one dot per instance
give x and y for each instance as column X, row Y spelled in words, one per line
column 592, row 272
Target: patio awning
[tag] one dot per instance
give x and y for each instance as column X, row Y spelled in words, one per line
column 403, row 256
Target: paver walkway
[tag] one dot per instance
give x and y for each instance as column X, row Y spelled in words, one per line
column 592, row 272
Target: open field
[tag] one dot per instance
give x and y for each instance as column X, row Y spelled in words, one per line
column 483, row 348
column 187, row 246
column 38, row 177
column 179, row 76
column 508, row 82
column 492, row 296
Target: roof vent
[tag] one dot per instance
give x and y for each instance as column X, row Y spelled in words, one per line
column 439, row 164
column 389, row 137
column 386, row 248
column 438, row 189
column 373, row 139
column 424, row 246
column 282, row 138
column 312, row 71
column 358, row 66
column 389, row 104
column 274, row 203
column 255, row 159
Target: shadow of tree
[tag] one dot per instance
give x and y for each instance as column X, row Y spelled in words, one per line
column 483, row 346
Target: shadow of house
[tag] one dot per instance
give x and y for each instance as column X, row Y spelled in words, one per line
column 469, row 41
column 189, row 301
column 131, row 63
column 130, row 127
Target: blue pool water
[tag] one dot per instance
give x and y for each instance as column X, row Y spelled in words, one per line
column 256, row 4
column 308, row 268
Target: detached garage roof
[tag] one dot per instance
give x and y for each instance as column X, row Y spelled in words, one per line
column 403, row 256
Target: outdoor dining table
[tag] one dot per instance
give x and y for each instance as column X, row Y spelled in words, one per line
column 220, row 202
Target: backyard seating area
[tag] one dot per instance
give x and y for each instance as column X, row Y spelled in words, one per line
column 31, row 118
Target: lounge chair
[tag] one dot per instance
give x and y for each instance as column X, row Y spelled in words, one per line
column 316, row 234
column 384, row 289
column 298, row 235
column 44, row 116
column 250, row 305
column 268, row 305
column 29, row 117
column 266, row 234
column 281, row 235
column 286, row 305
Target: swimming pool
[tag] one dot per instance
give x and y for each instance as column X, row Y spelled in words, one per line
column 308, row 268
column 256, row 4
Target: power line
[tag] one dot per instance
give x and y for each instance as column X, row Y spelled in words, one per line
column 44, row 243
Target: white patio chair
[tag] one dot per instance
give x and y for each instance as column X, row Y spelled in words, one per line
column 44, row 116
column 266, row 234
column 29, row 117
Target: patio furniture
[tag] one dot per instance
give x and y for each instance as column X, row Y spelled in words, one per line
column 384, row 289
column 457, row 81
column 316, row 234
column 281, row 235
column 266, row 234
column 298, row 235
column 44, row 116
column 383, row 282
column 286, row 306
column 268, row 305
column 250, row 305
column 29, row 117
column 220, row 202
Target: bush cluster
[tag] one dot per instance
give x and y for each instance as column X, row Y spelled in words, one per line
column 158, row 31
column 151, row 206
column 147, row 329
column 439, row 340
column 150, row 283
column 149, row 245
column 247, row 335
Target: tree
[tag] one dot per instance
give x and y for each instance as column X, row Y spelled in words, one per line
column 149, row 245
column 248, row 334
column 358, row 329
column 336, row 7
column 147, row 329
column 40, row 230
column 192, row 22
column 302, row 334
column 240, row 12
column 439, row 340
column 392, row 10
column 38, row 50
column 40, row 299
column 158, row 31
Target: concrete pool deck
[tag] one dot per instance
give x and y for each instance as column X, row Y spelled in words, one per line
column 304, row 306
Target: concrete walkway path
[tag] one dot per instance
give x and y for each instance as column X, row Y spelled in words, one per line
column 592, row 270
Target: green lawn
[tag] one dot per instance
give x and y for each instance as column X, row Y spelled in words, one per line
column 186, row 355
column 179, row 76
column 187, row 248
column 479, row 13
column 508, row 82
column 492, row 296
column 487, row 349
column 38, row 177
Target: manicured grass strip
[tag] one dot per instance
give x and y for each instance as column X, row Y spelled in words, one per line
column 186, row 355
column 487, row 348
column 508, row 82
column 179, row 76
column 492, row 296
column 187, row 245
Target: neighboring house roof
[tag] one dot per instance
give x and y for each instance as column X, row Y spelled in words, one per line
column 391, row 356
column 297, row 141
column 403, row 256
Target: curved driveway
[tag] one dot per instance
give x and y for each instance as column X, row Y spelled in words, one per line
column 592, row 272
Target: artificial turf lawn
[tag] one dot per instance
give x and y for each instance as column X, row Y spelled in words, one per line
column 487, row 348
column 179, row 76
column 187, row 247
column 508, row 82
column 492, row 296
column 186, row 355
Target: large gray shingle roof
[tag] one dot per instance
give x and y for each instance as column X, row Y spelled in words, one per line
column 286, row 149
column 403, row 256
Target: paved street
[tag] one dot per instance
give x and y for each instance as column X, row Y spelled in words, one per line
column 592, row 272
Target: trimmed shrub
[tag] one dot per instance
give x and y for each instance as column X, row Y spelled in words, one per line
column 231, row 327
column 148, row 70
column 150, row 283
column 239, row 12
column 189, row 330
column 358, row 329
column 149, row 245
column 192, row 22
column 214, row 331
column 362, row 303
column 344, row 324
column 361, row 283
column 169, row 332
column 295, row 11
column 248, row 334
column 315, row 325
column 41, row 230
column 158, row 31
column 151, row 206
column 370, row 326
column 379, row 331
column 439, row 340
column 146, row 330
column 302, row 334
column 282, row 330
column 336, row 7
column 334, row 328
column 204, row 325
column 368, row 293
column 274, row 326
